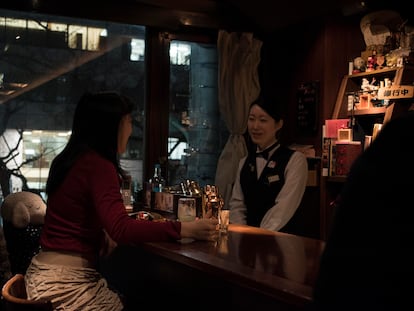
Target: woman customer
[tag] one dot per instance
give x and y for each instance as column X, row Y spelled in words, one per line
column 84, row 207
column 272, row 178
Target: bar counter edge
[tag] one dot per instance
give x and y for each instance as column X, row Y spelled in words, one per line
column 247, row 268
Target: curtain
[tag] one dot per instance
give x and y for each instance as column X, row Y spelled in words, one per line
column 238, row 86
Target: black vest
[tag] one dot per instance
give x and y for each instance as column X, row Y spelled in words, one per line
column 260, row 194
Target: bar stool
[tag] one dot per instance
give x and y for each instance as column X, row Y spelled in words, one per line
column 14, row 297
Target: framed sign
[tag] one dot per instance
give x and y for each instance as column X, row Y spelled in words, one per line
column 396, row 92
column 307, row 107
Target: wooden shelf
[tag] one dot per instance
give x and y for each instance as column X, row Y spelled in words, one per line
column 352, row 84
column 370, row 111
column 331, row 186
column 374, row 72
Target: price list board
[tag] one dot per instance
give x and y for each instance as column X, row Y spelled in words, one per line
column 307, row 107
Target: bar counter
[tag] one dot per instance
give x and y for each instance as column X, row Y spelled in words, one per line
column 246, row 268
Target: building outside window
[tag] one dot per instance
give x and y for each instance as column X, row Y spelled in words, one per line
column 197, row 133
column 48, row 62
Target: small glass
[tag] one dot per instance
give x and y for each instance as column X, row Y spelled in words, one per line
column 224, row 218
column 186, row 209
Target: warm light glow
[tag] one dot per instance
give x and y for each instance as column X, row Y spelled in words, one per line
column 253, row 230
column 186, row 21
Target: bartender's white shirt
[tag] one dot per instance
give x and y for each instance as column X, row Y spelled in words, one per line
column 286, row 202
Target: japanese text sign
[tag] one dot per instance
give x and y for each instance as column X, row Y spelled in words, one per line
column 396, row 92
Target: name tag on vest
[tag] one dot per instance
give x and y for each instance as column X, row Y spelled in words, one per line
column 273, row 178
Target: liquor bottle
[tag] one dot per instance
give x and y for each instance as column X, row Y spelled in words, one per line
column 157, row 184
column 126, row 192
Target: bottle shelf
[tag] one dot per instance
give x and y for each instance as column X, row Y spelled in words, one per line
column 365, row 119
column 369, row 111
column 351, row 84
column 374, row 72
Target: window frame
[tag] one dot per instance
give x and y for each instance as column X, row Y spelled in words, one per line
column 158, row 93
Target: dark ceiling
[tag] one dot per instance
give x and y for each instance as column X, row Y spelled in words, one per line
column 259, row 16
column 265, row 16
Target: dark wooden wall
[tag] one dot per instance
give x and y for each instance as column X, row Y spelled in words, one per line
column 318, row 50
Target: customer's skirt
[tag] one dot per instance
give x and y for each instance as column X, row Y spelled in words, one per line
column 70, row 287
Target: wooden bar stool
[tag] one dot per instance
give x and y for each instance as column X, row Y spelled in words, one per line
column 14, row 297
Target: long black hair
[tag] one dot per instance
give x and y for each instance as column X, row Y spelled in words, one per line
column 95, row 126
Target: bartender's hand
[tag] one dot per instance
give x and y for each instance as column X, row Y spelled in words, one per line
column 200, row 229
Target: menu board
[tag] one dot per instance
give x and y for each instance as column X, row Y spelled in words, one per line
column 307, row 107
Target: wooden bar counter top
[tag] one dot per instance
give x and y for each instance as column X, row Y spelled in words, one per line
column 246, row 268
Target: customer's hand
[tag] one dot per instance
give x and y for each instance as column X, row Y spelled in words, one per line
column 108, row 245
column 200, row 229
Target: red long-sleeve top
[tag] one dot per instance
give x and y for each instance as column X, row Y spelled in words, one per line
column 88, row 201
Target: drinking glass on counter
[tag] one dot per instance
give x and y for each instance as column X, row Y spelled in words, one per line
column 213, row 201
column 224, row 218
column 186, row 209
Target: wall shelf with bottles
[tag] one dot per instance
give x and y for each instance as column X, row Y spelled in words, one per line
column 368, row 111
column 363, row 121
column 351, row 84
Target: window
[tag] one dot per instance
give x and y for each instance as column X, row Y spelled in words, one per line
column 38, row 149
column 47, row 63
column 197, row 133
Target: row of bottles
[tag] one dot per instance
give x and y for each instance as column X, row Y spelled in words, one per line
column 160, row 197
